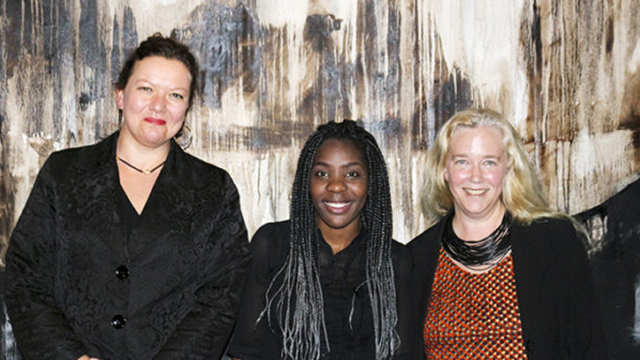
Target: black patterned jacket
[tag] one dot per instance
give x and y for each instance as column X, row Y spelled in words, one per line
column 75, row 286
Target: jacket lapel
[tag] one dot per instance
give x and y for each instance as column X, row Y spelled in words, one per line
column 431, row 256
column 167, row 215
column 530, row 287
column 93, row 195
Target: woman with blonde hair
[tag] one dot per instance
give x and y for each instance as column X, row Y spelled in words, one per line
column 500, row 275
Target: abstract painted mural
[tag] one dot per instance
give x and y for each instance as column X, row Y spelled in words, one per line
column 566, row 73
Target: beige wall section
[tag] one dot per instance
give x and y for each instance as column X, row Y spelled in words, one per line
column 566, row 73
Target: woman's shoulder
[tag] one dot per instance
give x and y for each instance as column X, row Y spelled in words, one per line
column 270, row 244
column 199, row 169
column 547, row 228
column 272, row 236
column 272, row 230
column 81, row 159
column 549, row 222
column 548, row 234
column 401, row 257
column 428, row 238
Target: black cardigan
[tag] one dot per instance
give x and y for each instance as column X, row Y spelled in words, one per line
column 554, row 283
column 75, row 285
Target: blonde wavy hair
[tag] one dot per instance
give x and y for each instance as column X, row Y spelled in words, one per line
column 522, row 192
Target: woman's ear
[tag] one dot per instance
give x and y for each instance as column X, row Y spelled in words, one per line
column 120, row 99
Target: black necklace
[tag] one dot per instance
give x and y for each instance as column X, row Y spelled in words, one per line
column 142, row 171
column 485, row 253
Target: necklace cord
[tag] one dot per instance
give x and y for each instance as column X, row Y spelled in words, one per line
column 142, row 171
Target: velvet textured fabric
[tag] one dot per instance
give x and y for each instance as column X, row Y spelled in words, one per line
column 77, row 285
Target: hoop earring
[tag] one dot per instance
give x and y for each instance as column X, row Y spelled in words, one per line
column 184, row 137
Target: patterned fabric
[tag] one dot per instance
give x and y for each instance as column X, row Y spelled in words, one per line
column 473, row 316
column 559, row 314
column 77, row 285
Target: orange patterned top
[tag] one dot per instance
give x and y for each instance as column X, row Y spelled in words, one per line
column 473, row 316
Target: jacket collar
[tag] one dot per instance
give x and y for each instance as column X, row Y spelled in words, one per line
column 167, row 211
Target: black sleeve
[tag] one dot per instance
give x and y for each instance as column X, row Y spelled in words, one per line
column 585, row 335
column 255, row 339
column 403, row 268
column 40, row 327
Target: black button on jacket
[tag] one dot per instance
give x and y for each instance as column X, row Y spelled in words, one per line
column 77, row 285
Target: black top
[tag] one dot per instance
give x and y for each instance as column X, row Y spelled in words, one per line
column 129, row 215
column 615, row 226
column 558, row 309
column 347, row 309
column 86, row 277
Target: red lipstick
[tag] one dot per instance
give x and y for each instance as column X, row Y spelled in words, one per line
column 155, row 121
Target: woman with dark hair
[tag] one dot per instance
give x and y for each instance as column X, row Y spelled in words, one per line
column 500, row 275
column 130, row 248
column 325, row 284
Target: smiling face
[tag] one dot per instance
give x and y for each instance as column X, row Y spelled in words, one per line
column 155, row 100
column 339, row 186
column 475, row 167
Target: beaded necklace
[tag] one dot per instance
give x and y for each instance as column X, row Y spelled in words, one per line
column 485, row 253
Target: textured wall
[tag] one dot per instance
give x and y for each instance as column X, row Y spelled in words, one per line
column 566, row 72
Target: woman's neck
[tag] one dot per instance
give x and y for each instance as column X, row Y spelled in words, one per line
column 139, row 155
column 339, row 239
column 468, row 228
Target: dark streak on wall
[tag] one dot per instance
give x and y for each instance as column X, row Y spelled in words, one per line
column 449, row 93
column 630, row 112
column 7, row 200
column 531, row 41
column 609, row 37
column 14, row 33
column 323, row 97
column 127, row 39
column 453, row 95
column 218, row 40
column 279, row 135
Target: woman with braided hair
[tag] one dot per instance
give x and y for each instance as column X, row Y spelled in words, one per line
column 326, row 283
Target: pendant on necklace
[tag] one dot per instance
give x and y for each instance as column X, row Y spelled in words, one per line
column 142, row 171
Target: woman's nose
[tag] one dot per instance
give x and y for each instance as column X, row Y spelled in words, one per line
column 476, row 172
column 336, row 185
column 158, row 103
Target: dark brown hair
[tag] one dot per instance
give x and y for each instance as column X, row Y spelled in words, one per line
column 158, row 45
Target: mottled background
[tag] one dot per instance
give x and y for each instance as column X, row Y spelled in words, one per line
column 567, row 73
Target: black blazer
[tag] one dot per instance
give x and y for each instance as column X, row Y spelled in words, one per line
column 554, row 283
column 76, row 286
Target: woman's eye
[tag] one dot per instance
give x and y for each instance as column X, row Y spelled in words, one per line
column 321, row 174
column 145, row 88
column 352, row 174
column 460, row 162
column 177, row 96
